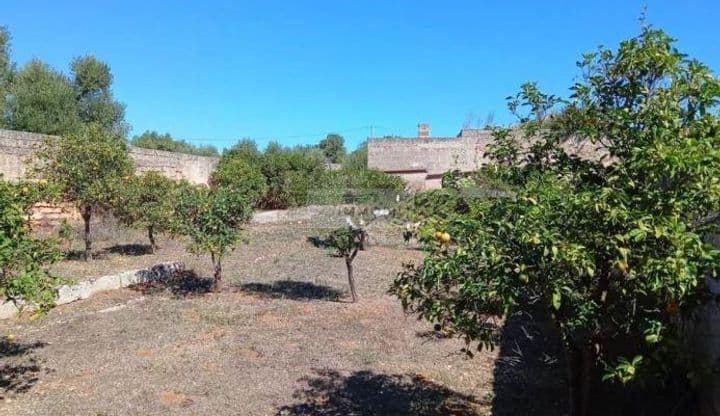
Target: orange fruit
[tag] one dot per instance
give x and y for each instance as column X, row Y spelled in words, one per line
column 445, row 237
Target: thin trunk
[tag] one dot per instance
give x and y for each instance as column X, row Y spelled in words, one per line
column 217, row 272
column 351, row 279
column 86, row 216
column 151, row 237
column 581, row 362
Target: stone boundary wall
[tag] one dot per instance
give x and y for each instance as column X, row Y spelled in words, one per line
column 17, row 149
column 87, row 288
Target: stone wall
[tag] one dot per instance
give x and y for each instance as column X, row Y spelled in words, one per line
column 434, row 156
column 17, row 149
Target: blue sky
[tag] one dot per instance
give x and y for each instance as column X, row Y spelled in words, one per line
column 216, row 71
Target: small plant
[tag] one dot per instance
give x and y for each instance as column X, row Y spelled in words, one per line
column 347, row 241
column 66, row 234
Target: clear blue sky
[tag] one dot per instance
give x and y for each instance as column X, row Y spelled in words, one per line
column 215, row 71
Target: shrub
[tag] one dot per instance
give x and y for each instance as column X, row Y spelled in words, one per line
column 240, row 175
column 23, row 259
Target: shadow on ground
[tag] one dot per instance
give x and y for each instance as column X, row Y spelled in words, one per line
column 182, row 284
column 291, row 289
column 330, row 393
column 19, row 369
column 530, row 378
column 128, row 250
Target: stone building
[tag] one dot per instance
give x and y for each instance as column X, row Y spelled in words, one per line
column 422, row 160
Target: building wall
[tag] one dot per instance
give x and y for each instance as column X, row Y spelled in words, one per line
column 433, row 155
column 17, row 149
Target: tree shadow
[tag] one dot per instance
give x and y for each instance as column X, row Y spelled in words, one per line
column 129, row 249
column 530, row 375
column 318, row 242
column 291, row 289
column 330, row 393
column 182, row 283
column 19, row 370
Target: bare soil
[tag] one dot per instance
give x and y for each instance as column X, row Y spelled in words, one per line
column 281, row 339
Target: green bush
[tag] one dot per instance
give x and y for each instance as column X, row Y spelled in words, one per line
column 23, row 259
column 240, row 175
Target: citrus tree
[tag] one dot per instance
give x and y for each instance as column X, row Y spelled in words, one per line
column 347, row 242
column 85, row 168
column 145, row 201
column 23, row 259
column 611, row 243
column 212, row 219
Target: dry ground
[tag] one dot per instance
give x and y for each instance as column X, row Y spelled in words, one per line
column 282, row 340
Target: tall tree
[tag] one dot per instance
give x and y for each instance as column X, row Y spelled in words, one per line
column 92, row 81
column 41, row 100
column 333, row 147
column 6, row 71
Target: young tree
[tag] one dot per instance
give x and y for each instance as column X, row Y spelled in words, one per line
column 347, row 241
column 145, row 201
column 85, row 167
column 613, row 247
column 212, row 220
column 23, row 259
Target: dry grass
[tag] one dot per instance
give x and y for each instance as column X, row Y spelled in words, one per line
column 282, row 340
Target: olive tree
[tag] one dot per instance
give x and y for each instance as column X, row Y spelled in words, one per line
column 212, row 219
column 612, row 243
column 85, row 167
column 145, row 201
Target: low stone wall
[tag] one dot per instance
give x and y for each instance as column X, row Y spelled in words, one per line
column 85, row 289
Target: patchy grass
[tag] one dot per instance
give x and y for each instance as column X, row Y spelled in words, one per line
column 280, row 340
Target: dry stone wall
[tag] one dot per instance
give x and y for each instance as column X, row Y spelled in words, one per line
column 17, row 149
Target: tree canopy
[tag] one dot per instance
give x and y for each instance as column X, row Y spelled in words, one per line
column 612, row 245
column 158, row 141
column 333, row 147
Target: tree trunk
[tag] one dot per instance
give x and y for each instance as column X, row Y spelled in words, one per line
column 351, row 279
column 581, row 362
column 151, row 237
column 217, row 272
column 86, row 212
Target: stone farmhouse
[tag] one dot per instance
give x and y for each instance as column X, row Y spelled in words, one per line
column 422, row 160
